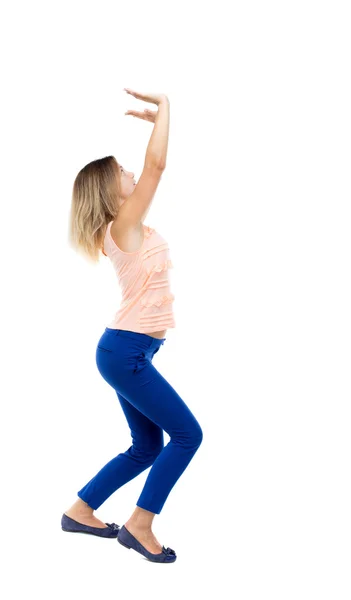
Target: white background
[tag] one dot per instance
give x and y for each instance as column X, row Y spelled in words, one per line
column 254, row 204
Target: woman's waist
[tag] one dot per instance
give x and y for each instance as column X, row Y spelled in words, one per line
column 128, row 342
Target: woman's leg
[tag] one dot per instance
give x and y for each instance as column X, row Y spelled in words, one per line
column 150, row 393
column 162, row 404
column 150, row 404
column 147, row 444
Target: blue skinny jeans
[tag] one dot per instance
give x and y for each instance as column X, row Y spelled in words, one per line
column 150, row 405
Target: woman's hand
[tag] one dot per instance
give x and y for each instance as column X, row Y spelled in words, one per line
column 153, row 98
column 147, row 115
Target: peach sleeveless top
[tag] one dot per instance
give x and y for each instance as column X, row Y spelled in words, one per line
column 147, row 300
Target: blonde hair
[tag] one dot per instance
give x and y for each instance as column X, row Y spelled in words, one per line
column 95, row 195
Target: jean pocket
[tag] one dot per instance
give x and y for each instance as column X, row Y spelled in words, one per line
column 139, row 362
column 103, row 349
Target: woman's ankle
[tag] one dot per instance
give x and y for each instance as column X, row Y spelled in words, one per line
column 140, row 519
column 81, row 507
column 133, row 525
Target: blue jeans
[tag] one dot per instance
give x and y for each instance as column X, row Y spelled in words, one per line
column 150, row 405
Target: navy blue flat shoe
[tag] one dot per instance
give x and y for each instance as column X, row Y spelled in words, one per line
column 129, row 541
column 68, row 524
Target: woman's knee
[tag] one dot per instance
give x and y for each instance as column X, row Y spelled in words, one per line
column 197, row 435
column 193, row 436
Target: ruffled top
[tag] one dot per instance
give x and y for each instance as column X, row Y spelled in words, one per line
column 143, row 276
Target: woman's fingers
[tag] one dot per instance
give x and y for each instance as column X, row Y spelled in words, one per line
column 134, row 93
column 147, row 115
column 140, row 115
column 154, row 98
column 134, row 113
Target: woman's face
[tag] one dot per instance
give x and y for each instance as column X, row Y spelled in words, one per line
column 127, row 183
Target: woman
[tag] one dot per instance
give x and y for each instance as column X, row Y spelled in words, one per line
column 108, row 212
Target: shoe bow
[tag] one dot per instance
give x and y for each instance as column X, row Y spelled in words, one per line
column 168, row 551
column 113, row 526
